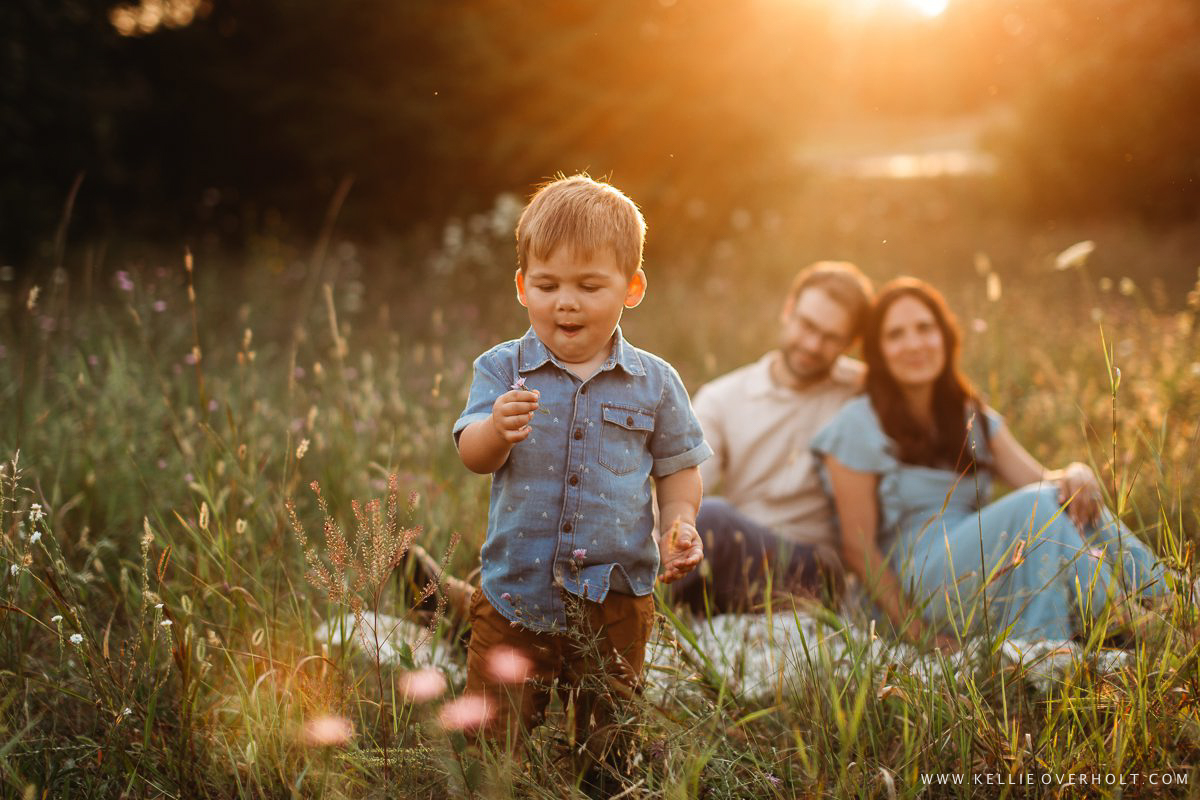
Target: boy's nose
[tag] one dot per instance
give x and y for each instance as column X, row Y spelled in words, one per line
column 566, row 300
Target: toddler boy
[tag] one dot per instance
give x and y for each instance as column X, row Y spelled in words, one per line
column 573, row 422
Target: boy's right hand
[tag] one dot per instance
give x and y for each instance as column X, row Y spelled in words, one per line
column 512, row 413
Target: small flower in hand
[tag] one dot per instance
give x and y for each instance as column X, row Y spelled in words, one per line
column 580, row 554
column 680, row 550
column 519, row 386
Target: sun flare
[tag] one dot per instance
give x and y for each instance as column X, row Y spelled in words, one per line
column 930, row 8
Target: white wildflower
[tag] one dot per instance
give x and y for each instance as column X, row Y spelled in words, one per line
column 57, row 618
column 76, row 638
column 1074, row 256
column 36, row 537
column 166, row 623
column 15, row 569
column 36, row 513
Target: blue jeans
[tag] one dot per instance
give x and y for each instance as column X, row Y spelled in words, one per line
column 739, row 554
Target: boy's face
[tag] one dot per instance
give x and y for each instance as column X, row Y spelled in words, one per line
column 575, row 305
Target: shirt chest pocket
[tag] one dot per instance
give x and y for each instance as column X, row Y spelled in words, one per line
column 623, row 437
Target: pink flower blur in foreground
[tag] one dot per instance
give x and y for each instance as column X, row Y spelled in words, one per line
column 422, row 685
column 467, row 713
column 507, row 665
column 327, row 731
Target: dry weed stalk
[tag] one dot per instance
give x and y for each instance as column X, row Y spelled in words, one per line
column 359, row 570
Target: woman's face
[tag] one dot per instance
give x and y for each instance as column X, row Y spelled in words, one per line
column 912, row 344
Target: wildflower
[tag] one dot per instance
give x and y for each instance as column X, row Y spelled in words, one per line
column 466, row 713
column 37, row 537
column 506, row 597
column 160, row 306
column 301, row 449
column 190, row 359
column 773, row 779
column 1096, row 553
column 57, row 618
column 519, row 383
column 508, row 665
column 422, row 685
column 126, row 711
column 36, row 513
column 15, row 569
column 1074, row 256
column 158, row 606
column 76, row 638
column 166, row 623
column 124, row 282
column 579, row 554
column 328, row 731
column 993, row 287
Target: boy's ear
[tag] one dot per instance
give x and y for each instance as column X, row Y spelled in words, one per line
column 636, row 290
column 520, row 279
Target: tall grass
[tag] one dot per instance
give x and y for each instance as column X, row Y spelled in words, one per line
column 159, row 631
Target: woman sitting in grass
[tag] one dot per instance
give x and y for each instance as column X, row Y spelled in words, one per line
column 910, row 465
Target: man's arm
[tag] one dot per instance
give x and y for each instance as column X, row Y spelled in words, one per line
column 679, row 546
column 710, row 413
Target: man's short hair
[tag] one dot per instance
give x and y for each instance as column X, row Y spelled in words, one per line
column 584, row 215
column 843, row 282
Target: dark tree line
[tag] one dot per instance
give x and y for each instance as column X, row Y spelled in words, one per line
column 260, row 108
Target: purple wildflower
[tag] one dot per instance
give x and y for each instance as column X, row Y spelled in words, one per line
column 580, row 554
column 160, row 306
column 124, row 282
column 506, row 597
column 519, row 383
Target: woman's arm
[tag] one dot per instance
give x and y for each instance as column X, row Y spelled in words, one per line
column 1076, row 482
column 855, row 494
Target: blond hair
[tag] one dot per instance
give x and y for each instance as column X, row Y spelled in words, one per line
column 845, row 284
column 584, row 215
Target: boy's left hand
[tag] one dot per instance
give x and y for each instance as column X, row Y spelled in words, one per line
column 680, row 550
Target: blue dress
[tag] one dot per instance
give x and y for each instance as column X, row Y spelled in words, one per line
column 945, row 541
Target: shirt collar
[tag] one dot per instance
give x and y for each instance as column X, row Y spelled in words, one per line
column 534, row 354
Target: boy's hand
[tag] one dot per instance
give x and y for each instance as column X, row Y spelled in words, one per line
column 680, row 550
column 512, row 412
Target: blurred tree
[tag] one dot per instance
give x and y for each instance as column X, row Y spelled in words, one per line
column 1109, row 121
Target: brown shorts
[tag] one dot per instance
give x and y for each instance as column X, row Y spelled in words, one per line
column 596, row 665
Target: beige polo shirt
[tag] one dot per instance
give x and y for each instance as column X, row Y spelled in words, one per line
column 760, row 433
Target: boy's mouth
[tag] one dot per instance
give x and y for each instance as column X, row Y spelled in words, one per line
column 569, row 329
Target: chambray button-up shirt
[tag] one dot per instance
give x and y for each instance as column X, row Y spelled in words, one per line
column 571, row 508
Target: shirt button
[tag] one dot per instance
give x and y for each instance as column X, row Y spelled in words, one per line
column 566, row 527
column 583, row 390
column 573, row 480
column 579, row 433
column 629, row 421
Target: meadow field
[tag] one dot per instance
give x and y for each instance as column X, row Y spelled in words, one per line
column 159, row 408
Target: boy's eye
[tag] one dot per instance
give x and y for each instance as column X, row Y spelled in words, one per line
column 546, row 287
column 588, row 288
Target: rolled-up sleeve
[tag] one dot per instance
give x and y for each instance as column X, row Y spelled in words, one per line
column 488, row 382
column 678, row 440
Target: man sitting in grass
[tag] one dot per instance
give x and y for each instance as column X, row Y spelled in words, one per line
column 572, row 422
column 771, row 516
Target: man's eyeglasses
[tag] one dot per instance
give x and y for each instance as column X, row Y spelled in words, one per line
column 829, row 339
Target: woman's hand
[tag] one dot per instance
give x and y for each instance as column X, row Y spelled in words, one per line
column 1079, row 491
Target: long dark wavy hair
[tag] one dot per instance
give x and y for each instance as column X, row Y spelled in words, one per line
column 954, row 399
